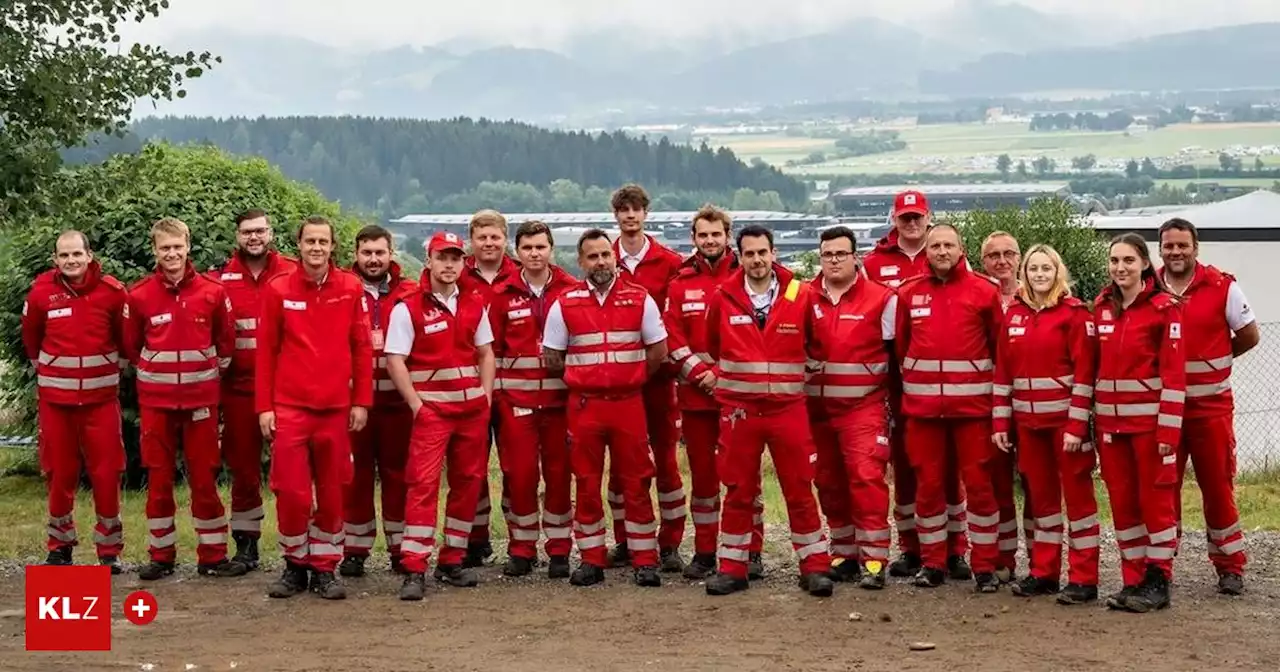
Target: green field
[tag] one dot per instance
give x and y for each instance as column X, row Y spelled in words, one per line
column 959, row 148
column 1265, row 182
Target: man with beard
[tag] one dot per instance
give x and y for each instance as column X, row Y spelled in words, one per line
column 253, row 263
column 644, row 261
column 382, row 446
column 605, row 337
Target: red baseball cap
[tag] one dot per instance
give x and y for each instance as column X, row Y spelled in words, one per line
column 910, row 202
column 444, row 240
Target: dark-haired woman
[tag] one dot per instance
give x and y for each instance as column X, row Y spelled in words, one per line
column 1138, row 405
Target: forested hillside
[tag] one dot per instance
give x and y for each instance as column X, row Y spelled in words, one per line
column 394, row 166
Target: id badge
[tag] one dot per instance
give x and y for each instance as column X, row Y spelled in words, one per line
column 378, row 340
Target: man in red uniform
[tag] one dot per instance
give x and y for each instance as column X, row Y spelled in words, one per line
column 382, row 447
column 71, row 332
column 314, row 386
column 946, row 337
column 644, row 261
column 760, row 322
column 179, row 335
column 606, row 338
column 686, row 323
column 896, row 258
column 532, row 434
column 440, row 357
column 1220, row 326
column 856, row 318
column 243, row 275
column 486, row 269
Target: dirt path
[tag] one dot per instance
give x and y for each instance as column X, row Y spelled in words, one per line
column 534, row 624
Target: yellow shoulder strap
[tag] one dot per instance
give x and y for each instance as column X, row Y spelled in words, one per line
column 793, row 288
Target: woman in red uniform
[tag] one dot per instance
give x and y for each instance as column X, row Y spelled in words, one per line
column 1139, row 396
column 1044, row 380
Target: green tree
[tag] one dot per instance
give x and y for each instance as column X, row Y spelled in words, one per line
column 1131, row 169
column 64, row 74
column 114, row 204
column 1003, row 164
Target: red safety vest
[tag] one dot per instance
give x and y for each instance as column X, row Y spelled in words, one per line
column 854, row 366
column 686, row 322
column 245, row 293
column 518, row 318
column 442, row 364
column 385, row 393
column 606, row 352
column 762, row 369
column 1207, row 344
column 72, row 335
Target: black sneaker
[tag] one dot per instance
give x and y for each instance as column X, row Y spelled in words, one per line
column 558, row 568
column 873, row 576
column 844, row 570
column 246, row 550
column 986, row 582
column 1230, row 584
column 619, row 556
column 155, row 570
column 958, row 569
column 1077, row 593
column 817, row 584
column 1153, row 593
column 414, row 587
column 352, row 566
column 587, row 575
column 222, row 568
column 293, row 580
column 648, row 577
column 1031, row 586
column 328, row 586
column 929, row 577
column 477, row 553
column 59, row 557
column 670, row 561
column 723, row 584
column 1120, row 599
column 113, row 562
column 456, row 575
column 755, row 567
column 702, row 566
column 518, row 566
column 907, row 565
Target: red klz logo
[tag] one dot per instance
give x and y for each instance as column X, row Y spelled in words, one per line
column 68, row 608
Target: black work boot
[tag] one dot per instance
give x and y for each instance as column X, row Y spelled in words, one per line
column 414, row 587
column 113, row 562
column 59, row 557
column 155, row 570
column 1230, row 584
column 670, row 561
column 845, row 570
column 587, row 575
column 1077, row 593
column 1031, row 586
column 873, row 576
column 701, row 566
column 518, row 566
column 558, row 567
column 293, row 580
column 619, row 556
column 817, row 584
column 648, row 577
column 246, row 550
column 456, row 575
column 328, row 586
column 907, row 565
column 352, row 566
column 755, row 567
column 723, row 584
column 1153, row 593
column 222, row 568
column 929, row 577
column 958, row 569
column 986, row 582
column 477, row 553
column 1120, row 599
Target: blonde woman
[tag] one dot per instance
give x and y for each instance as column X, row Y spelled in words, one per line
column 1044, row 383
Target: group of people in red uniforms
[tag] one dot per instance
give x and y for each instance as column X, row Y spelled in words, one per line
column 906, row 361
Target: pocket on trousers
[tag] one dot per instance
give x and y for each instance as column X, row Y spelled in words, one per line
column 880, row 449
column 1167, row 471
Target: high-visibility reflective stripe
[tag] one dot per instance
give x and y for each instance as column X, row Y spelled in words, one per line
column 984, row 521
column 593, row 358
column 81, row 362
column 95, row 383
column 1001, row 390
column 107, row 539
column 1173, row 396
column 763, row 368
column 163, row 541
column 169, row 356
column 1082, row 390
column 840, row 391
column 872, row 535
column 679, row 354
column 700, row 518
column 759, row 388
column 1128, row 385
column 454, row 396
column 529, row 385
column 1194, row 391
column 932, row 521
column 246, row 343
column 1131, row 533
column 442, row 375
column 946, row 365
column 852, row 368
column 1126, row 410
column 1163, row 536
column 520, row 363
column 602, row 337
column 177, row 378
column 735, row 539
column 986, row 538
column 933, row 537
column 1007, row 526
column 1081, row 414
column 1044, row 537
column 247, row 323
column 1084, row 523
column 589, row 528
column 737, row 554
column 1043, row 383
column 415, row 546
column 1209, row 365
column 1082, row 543
column 1160, row 553
column 60, row 535
column 947, row 389
column 1223, row 533
column 1041, row 407
column 1166, row 420
column 1230, row 548
column 1002, row 412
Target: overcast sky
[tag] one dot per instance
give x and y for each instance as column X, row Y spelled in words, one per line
column 544, row 23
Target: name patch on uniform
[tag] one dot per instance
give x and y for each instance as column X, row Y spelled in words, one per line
column 888, row 271
column 693, row 307
column 1106, row 328
column 817, row 311
column 693, row 294
column 739, row 319
column 521, row 412
column 921, row 312
column 519, row 313
column 295, row 305
column 847, row 316
column 60, row 312
column 435, row 327
column 232, row 276
column 162, row 318
column 576, row 294
column 1090, row 329
column 1175, row 330
column 785, row 328
column 200, row 414
column 1017, row 331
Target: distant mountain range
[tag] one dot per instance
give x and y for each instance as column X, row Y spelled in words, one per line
column 983, row 47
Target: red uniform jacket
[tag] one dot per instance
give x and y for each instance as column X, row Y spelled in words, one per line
column 442, row 363
column 1207, row 344
column 517, row 318
column 887, row 262
column 760, row 369
column 180, row 337
column 686, row 320
column 852, row 361
column 1045, row 367
column 313, row 343
column 945, row 342
column 73, row 336
column 245, row 292
column 654, row 273
column 606, row 353
column 1142, row 380
column 399, row 288
column 470, row 279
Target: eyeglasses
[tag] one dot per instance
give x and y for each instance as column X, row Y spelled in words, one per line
column 249, row 233
column 1007, row 254
column 835, row 257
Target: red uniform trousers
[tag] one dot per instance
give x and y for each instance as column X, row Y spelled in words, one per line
column 380, row 450
column 1210, row 443
column 480, row 522
column 242, row 451
column 1007, row 531
column 853, row 455
column 1055, row 475
column 957, row 445
column 904, row 498
column 532, row 447
column 310, row 462
column 1142, row 486
column 744, row 434
column 701, row 432
column 72, row 436
column 619, row 423
column 660, row 412
column 196, row 431
column 462, row 440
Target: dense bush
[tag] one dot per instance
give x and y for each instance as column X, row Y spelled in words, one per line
column 114, row 204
